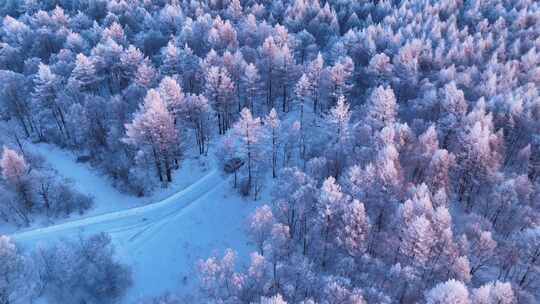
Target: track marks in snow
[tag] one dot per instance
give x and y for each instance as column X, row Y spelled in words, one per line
column 129, row 219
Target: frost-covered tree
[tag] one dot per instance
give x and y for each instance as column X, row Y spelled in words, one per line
column 235, row 65
column 450, row 292
column 260, row 226
column 418, row 239
column 273, row 126
column 269, row 51
column 14, row 93
column 354, row 233
column 152, row 132
column 66, row 266
column 197, row 113
column 340, row 76
column 171, row 59
column 218, row 278
column 277, row 299
column 14, row 167
column 339, row 123
column 285, row 67
column 45, row 96
column 250, row 133
column 173, row 97
column 315, row 72
column 382, row 108
column 15, row 171
column 303, row 91
column 481, row 154
column 16, row 279
column 251, row 79
column 84, row 75
column 495, row 292
column 434, row 149
column 526, row 271
column 220, row 92
column 146, row 75
column 130, row 59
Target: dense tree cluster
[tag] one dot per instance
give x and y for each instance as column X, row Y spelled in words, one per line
column 30, row 189
column 83, row 271
column 402, row 136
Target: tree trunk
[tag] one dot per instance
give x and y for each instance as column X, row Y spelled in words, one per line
column 168, row 169
column 274, row 154
column 158, row 165
column 269, row 100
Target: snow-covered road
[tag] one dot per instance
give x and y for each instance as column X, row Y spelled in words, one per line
column 162, row 241
column 133, row 219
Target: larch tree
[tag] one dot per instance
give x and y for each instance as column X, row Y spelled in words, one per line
column 480, row 157
column 251, row 81
column 305, row 44
column 45, row 96
column 449, row 292
column 269, row 50
column 285, row 67
column 303, row 90
column 260, row 226
column 218, row 277
column 152, row 131
column 14, row 167
column 315, row 71
column 16, row 102
column 353, row 235
column 340, row 75
column 296, row 198
column 331, row 203
column 235, row 10
column 249, row 132
column 494, row 293
column 84, row 75
column 220, row 92
column 171, row 59
column 339, row 122
column 381, row 108
column 15, row 279
column 173, row 97
column 276, row 299
column 418, row 238
column 130, row 60
column 452, row 109
column 16, row 171
column 528, row 245
column 197, row 114
column 146, row 75
column 273, row 126
column 190, row 67
column 235, row 65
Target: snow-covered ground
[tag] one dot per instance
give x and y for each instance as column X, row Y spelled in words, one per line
column 107, row 198
column 85, row 179
column 89, row 181
column 161, row 241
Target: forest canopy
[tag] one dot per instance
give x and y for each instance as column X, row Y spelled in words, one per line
column 401, row 139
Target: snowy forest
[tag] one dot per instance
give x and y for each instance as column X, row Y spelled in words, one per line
column 270, row 151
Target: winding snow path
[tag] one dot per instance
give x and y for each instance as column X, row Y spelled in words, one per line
column 134, row 219
column 162, row 241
